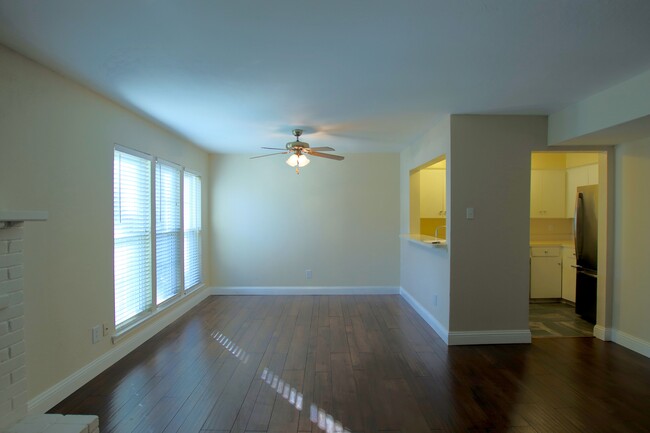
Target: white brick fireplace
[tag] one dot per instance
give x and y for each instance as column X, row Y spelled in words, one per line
column 13, row 380
column 13, row 368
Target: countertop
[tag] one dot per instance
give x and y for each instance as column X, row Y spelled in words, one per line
column 425, row 240
column 557, row 243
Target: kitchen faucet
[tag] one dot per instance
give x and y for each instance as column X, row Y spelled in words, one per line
column 435, row 233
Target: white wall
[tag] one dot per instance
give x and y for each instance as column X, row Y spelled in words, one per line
column 631, row 298
column 424, row 271
column 56, row 154
column 490, row 172
column 621, row 110
column 338, row 219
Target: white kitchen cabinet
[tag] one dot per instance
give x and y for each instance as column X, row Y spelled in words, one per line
column 433, row 193
column 548, row 194
column 568, row 274
column 545, row 273
column 575, row 177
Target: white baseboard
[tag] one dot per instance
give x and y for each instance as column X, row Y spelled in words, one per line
column 456, row 338
column 602, row 333
column 55, row 394
column 302, row 290
column 631, row 342
column 462, row 338
column 426, row 316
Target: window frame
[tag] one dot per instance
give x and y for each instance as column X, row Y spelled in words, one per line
column 181, row 258
column 154, row 307
column 200, row 232
column 146, row 311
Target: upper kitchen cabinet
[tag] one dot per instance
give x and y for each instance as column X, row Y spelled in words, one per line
column 548, row 194
column 433, row 193
column 575, row 177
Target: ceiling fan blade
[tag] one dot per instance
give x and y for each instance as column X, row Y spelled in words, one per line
column 273, row 148
column 270, row 154
column 322, row 149
column 327, row 155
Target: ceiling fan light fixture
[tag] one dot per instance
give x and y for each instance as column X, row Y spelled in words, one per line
column 293, row 160
column 299, row 151
column 302, row 161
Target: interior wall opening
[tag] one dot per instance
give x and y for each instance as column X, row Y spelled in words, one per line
column 562, row 290
column 428, row 199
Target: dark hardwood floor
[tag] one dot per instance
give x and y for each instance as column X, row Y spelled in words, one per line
column 359, row 363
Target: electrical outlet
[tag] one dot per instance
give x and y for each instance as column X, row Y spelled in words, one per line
column 308, row 274
column 96, row 333
column 107, row 330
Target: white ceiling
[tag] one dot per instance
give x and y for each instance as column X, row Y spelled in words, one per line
column 357, row 75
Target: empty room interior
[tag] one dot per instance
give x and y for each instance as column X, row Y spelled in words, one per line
column 420, row 216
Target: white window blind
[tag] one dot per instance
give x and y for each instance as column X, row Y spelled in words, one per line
column 192, row 229
column 132, row 236
column 168, row 231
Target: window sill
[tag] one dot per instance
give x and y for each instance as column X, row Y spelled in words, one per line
column 122, row 333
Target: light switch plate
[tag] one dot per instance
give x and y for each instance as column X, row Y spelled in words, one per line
column 96, row 333
column 470, row 213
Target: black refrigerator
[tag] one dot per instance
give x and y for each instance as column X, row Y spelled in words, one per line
column 585, row 231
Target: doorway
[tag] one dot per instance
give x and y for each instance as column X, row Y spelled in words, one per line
column 561, row 305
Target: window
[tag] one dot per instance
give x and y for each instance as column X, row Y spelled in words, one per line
column 156, row 252
column 168, row 231
column 192, row 229
column 132, row 235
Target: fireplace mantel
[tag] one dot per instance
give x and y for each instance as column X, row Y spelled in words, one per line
column 11, row 217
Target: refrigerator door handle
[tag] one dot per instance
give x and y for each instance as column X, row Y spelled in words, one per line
column 578, row 221
column 588, row 273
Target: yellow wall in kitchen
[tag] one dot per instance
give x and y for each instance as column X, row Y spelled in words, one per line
column 579, row 159
column 428, row 227
column 561, row 160
column 548, row 160
column 551, row 229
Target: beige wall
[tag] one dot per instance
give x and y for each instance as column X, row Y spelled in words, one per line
column 490, row 171
column 56, row 154
column 631, row 298
column 338, row 219
column 424, row 271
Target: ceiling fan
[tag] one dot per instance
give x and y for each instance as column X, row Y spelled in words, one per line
column 299, row 151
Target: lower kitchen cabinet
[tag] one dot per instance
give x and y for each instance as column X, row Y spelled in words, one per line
column 545, row 273
column 568, row 274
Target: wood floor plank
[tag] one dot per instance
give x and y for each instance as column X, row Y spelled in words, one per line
column 335, row 309
column 285, row 415
column 322, row 355
column 308, row 380
column 338, row 337
column 323, row 311
column 322, row 399
column 297, row 352
column 345, row 407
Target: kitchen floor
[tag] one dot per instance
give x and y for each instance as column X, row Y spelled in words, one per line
column 557, row 320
